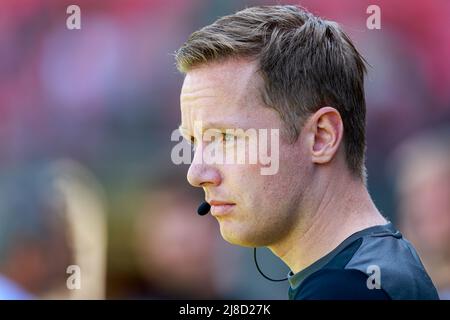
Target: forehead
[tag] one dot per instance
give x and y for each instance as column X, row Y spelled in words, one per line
column 231, row 78
column 226, row 92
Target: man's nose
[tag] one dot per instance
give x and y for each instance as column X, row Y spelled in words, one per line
column 201, row 175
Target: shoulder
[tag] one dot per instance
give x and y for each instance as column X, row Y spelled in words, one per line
column 339, row 284
column 402, row 274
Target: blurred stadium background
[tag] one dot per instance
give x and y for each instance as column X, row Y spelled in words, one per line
column 85, row 123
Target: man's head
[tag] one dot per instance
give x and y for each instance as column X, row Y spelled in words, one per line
column 276, row 67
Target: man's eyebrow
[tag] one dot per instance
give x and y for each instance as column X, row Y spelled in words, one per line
column 205, row 126
column 219, row 125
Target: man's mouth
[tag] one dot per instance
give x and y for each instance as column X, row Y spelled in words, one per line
column 220, row 208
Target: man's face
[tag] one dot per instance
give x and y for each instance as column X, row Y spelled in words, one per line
column 252, row 209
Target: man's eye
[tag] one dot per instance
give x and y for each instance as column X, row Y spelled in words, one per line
column 227, row 137
column 193, row 142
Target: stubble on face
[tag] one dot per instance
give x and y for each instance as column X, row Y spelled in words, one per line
column 228, row 95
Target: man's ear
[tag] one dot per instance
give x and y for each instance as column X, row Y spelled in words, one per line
column 325, row 132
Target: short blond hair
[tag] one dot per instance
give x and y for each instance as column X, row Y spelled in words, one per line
column 306, row 63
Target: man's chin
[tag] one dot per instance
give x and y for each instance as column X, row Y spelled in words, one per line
column 237, row 238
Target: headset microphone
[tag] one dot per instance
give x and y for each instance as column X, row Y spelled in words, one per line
column 203, row 208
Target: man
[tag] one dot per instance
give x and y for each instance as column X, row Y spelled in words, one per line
column 282, row 68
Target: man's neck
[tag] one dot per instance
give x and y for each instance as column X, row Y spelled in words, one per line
column 344, row 208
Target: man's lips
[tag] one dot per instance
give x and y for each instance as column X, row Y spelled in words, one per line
column 219, row 207
column 219, row 203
